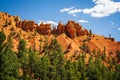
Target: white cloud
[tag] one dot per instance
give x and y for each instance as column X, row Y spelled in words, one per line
column 82, row 21
column 102, row 8
column 71, row 11
column 52, row 22
column 66, row 9
column 74, row 11
column 118, row 28
column 49, row 22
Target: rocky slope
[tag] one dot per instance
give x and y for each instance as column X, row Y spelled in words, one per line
column 71, row 36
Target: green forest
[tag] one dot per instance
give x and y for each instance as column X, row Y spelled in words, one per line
column 28, row 64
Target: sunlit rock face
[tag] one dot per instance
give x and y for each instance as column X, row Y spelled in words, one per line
column 44, row 29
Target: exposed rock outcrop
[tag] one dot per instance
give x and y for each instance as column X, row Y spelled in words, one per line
column 44, row 29
column 61, row 28
column 70, row 36
column 71, row 32
column 71, row 29
column 112, row 39
column 26, row 25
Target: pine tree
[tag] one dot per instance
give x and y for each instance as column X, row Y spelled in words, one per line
column 44, row 68
column 45, row 48
column 118, row 55
column 56, row 59
column 2, row 39
column 85, row 48
column 104, row 54
column 98, row 67
column 23, row 59
column 21, row 48
column 116, row 75
column 9, row 67
column 82, row 66
column 70, row 72
column 90, row 68
column 90, row 32
column 33, row 63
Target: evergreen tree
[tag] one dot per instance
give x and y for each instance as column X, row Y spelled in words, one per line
column 21, row 48
column 116, row 75
column 77, row 73
column 99, row 67
column 45, row 48
column 44, row 68
column 82, row 66
column 23, row 59
column 118, row 55
column 34, row 63
column 63, row 75
column 9, row 67
column 70, row 72
column 56, row 59
column 85, row 48
column 2, row 39
column 90, row 68
column 104, row 54
column 38, row 69
column 90, row 32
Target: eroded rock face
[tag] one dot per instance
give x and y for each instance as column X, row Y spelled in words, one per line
column 10, row 24
column 18, row 21
column 82, row 32
column 26, row 25
column 71, row 29
column 54, row 31
column 71, row 32
column 60, row 28
column 44, row 29
column 108, row 38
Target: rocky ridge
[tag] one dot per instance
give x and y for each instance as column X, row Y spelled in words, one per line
column 71, row 29
column 71, row 36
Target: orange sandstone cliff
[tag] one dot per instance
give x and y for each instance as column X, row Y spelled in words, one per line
column 70, row 36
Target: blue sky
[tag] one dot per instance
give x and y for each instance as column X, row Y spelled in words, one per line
column 101, row 16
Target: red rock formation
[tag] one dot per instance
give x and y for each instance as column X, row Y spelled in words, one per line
column 44, row 29
column 71, row 32
column 73, row 29
column 86, row 32
column 79, row 32
column 25, row 25
column 112, row 39
column 18, row 21
column 61, row 28
column 118, row 43
column 28, row 25
column 19, row 24
column 77, row 26
column 54, row 31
